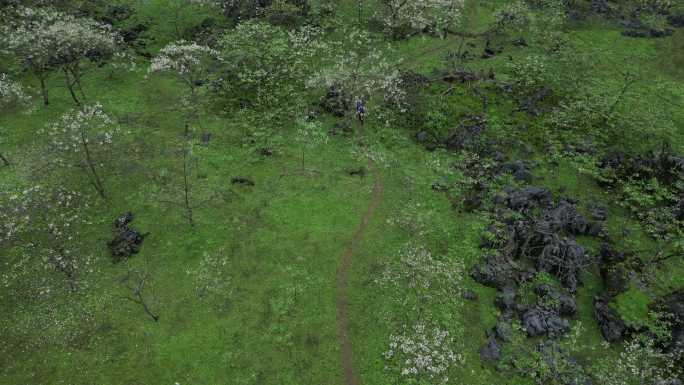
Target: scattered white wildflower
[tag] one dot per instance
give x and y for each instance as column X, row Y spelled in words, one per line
column 11, row 93
column 422, row 352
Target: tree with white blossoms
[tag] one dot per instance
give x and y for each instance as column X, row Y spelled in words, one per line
column 437, row 16
column 361, row 70
column 84, row 139
column 44, row 225
column 545, row 25
column 243, row 10
column 189, row 62
column 265, row 66
column 640, row 363
column 650, row 13
column 11, row 95
column 310, row 135
column 511, row 17
column 44, row 39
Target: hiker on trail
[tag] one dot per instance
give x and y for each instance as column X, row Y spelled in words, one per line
column 360, row 110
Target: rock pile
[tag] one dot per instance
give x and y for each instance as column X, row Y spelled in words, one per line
column 534, row 233
column 127, row 241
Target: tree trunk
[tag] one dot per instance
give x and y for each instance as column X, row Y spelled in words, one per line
column 139, row 293
column 359, row 6
column 70, row 87
column 44, row 90
column 186, row 183
column 147, row 309
column 97, row 182
column 629, row 81
column 76, row 73
column 4, row 160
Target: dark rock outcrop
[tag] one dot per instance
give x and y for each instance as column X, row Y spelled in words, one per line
column 491, row 351
column 498, row 271
column 242, row 180
column 612, row 326
column 538, row 321
column 336, row 101
column 467, row 135
column 127, row 241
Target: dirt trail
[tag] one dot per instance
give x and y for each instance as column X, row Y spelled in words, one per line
column 351, row 377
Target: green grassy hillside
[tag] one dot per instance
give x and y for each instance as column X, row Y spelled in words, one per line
column 248, row 292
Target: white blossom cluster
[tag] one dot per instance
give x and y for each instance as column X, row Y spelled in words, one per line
column 435, row 15
column 310, row 134
column 123, row 61
column 211, row 276
column 363, row 72
column 60, row 322
column 419, row 283
column 422, row 352
column 88, row 126
column 413, row 218
column 641, row 362
column 11, row 93
column 530, row 73
column 227, row 5
column 43, row 223
column 513, row 16
column 214, row 3
column 44, row 38
column 183, row 58
column 428, row 278
column 38, row 207
column 269, row 64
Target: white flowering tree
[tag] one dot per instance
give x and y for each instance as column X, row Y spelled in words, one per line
column 242, row 10
column 11, row 95
column 3, row 157
column 362, row 71
column 651, row 13
column 43, row 39
column 84, row 139
column 310, row 134
column 190, row 63
column 511, row 17
column 545, row 26
column 438, row 16
column 43, row 225
column 266, row 66
column 640, row 363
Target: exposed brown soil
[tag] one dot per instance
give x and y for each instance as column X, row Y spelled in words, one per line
column 351, row 377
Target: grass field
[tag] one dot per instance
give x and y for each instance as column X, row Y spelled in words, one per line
column 274, row 248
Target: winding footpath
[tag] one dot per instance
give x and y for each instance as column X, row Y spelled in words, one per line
column 351, row 377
